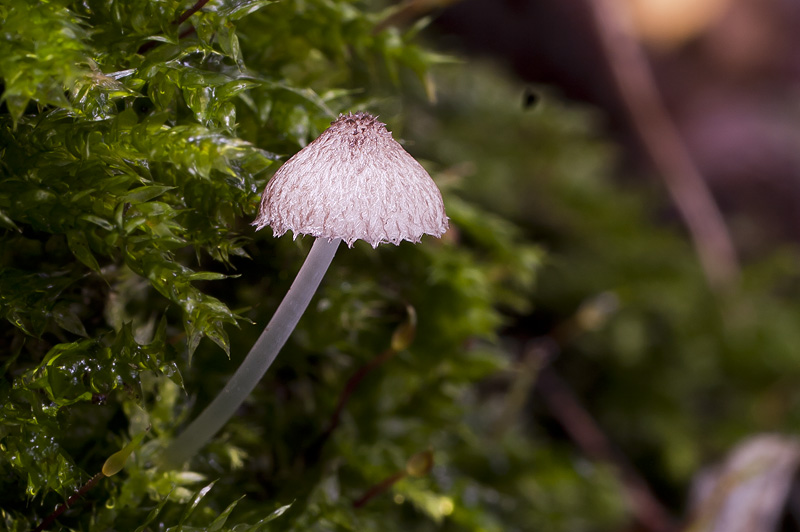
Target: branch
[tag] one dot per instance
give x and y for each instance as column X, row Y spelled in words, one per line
column 314, row 449
column 419, row 465
column 588, row 435
column 149, row 45
column 378, row 488
column 189, row 12
column 662, row 141
column 564, row 405
column 409, row 12
column 402, row 337
column 45, row 524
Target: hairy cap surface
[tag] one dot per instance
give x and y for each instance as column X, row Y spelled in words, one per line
column 354, row 182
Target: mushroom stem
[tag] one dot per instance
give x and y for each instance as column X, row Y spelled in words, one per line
column 258, row 360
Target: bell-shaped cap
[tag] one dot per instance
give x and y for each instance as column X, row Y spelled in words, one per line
column 354, row 182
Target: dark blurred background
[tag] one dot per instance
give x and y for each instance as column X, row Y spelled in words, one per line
column 727, row 71
column 703, row 90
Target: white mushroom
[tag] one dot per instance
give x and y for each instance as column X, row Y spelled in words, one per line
column 353, row 182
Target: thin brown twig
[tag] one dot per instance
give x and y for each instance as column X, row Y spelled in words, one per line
column 353, row 382
column 535, row 354
column 662, row 141
column 379, row 488
column 69, row 502
column 536, row 373
column 149, row 45
column 189, row 12
column 410, row 11
column 588, row 435
column 401, row 338
column 349, row 388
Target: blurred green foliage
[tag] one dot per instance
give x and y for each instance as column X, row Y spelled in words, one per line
column 134, row 150
column 674, row 373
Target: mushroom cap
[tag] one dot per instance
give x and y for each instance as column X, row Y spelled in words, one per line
column 353, row 182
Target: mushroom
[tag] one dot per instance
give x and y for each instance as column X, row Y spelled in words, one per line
column 353, row 182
